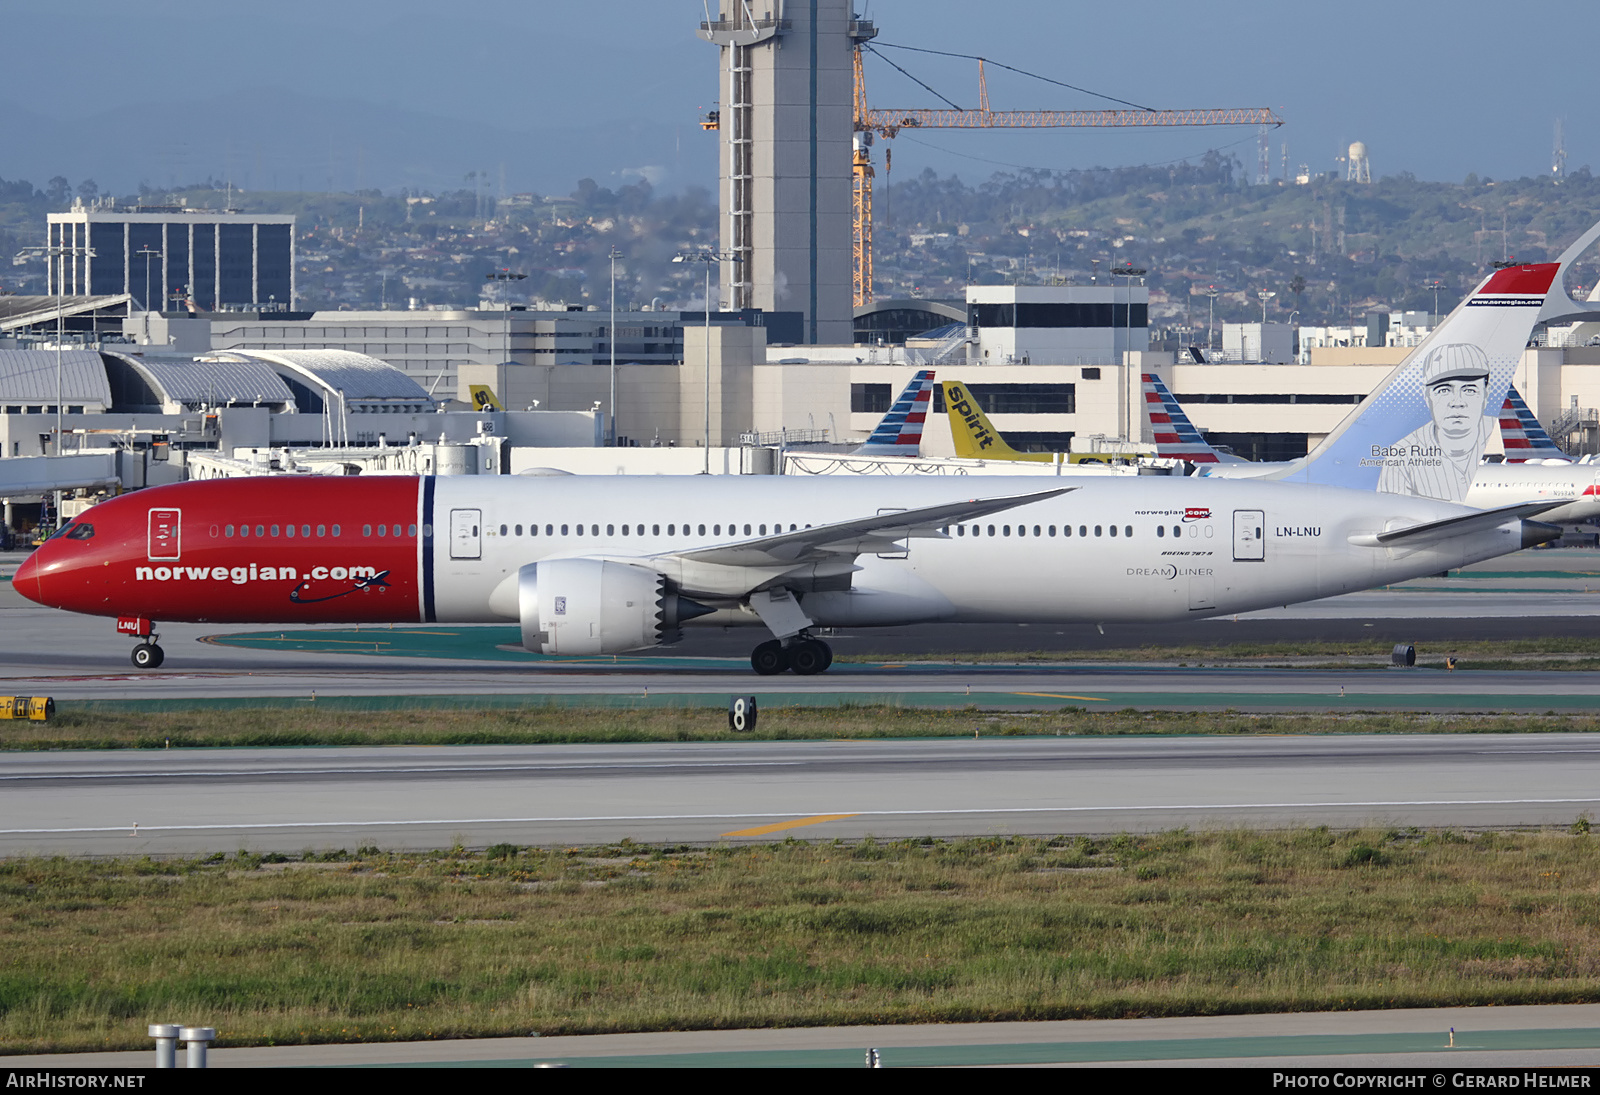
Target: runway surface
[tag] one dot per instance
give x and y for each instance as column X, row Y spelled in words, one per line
column 1552, row 1036
column 159, row 802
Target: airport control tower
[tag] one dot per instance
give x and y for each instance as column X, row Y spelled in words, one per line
column 784, row 157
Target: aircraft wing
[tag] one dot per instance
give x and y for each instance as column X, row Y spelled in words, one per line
column 1430, row 532
column 863, row 535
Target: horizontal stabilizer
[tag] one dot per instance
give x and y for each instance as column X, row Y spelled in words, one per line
column 1431, row 532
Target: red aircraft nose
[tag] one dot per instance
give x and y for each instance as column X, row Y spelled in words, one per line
column 26, row 580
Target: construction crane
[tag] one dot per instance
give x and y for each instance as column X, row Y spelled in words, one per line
column 887, row 123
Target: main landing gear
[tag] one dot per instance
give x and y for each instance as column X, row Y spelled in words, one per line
column 803, row 654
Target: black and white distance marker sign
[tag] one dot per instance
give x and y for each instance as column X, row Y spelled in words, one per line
column 742, row 714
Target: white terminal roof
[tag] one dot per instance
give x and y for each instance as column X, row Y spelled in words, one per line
column 208, row 383
column 29, row 376
column 363, row 382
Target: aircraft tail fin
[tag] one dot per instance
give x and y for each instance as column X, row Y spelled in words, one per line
column 483, row 397
column 1423, row 430
column 1175, row 436
column 975, row 436
column 1521, row 434
column 900, row 432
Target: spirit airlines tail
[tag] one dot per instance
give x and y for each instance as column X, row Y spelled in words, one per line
column 975, row 436
column 610, row 564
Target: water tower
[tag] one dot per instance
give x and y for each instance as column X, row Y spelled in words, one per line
column 1360, row 169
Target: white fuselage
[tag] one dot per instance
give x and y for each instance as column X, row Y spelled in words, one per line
column 1182, row 548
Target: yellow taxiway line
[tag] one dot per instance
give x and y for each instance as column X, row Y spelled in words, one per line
column 1060, row 696
column 763, row 830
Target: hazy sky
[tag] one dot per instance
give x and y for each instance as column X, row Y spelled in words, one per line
column 403, row 92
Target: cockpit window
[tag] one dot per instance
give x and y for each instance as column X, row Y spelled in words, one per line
column 77, row 530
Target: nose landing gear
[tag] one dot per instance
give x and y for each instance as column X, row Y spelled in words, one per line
column 147, row 655
column 805, row 655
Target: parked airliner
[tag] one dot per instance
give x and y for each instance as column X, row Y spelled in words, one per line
column 599, row 565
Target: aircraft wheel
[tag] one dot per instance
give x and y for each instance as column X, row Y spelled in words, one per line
column 769, row 658
column 148, row 656
column 809, row 657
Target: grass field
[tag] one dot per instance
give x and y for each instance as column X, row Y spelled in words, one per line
column 541, row 725
column 350, row 946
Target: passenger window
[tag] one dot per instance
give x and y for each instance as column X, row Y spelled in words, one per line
column 991, row 530
column 336, row 530
column 1177, row 530
column 1127, row 530
column 747, row 530
column 383, row 530
column 1083, row 530
column 397, row 530
column 1005, row 530
column 1097, row 530
column 594, row 530
column 366, row 530
column 1113, row 530
column 763, row 529
column 1052, row 530
column 517, row 529
column 504, row 531
column 261, row 530
column 641, row 530
column 1036, row 531
column 563, row 530
column 716, row 530
column 672, row 530
column 305, row 530
column 578, row 529
column 274, row 529
column 227, row 530
column 611, row 530
column 1161, row 530
column 702, row 530
column 288, row 531
column 322, row 530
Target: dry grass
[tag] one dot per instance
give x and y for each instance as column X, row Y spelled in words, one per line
column 270, row 726
column 378, row 947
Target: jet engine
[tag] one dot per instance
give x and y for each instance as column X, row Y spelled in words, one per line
column 591, row 606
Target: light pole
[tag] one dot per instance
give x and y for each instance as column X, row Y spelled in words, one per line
column 709, row 258
column 1435, row 285
column 503, row 276
column 1130, row 272
column 615, row 255
column 1211, row 318
column 1265, row 295
column 148, row 252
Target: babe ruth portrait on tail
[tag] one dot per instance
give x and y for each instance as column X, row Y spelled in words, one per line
column 1437, row 460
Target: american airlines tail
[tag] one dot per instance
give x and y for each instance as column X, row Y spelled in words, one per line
column 1423, row 431
column 900, row 432
column 1521, row 434
column 975, row 436
column 1175, row 436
